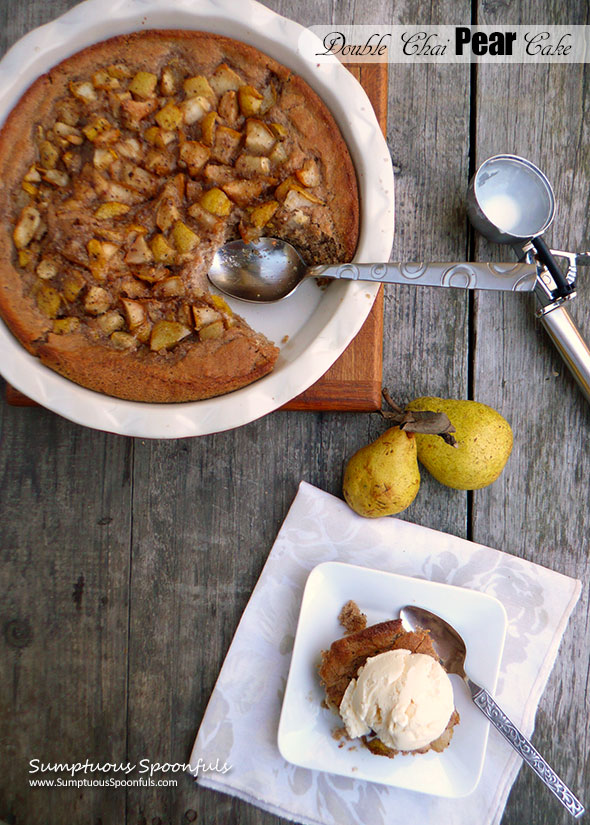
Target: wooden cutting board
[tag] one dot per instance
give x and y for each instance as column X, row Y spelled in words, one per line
column 353, row 382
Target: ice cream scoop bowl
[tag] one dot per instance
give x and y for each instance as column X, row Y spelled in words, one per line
column 452, row 651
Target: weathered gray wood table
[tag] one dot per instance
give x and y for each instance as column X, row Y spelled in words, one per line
column 126, row 564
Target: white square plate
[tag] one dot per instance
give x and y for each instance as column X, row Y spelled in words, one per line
column 305, row 728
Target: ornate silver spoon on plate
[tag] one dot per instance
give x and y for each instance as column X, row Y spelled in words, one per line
column 452, row 651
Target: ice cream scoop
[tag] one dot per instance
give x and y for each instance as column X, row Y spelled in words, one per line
column 405, row 698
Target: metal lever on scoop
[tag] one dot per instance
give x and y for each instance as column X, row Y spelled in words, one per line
column 556, row 319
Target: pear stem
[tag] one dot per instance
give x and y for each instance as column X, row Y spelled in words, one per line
column 414, row 421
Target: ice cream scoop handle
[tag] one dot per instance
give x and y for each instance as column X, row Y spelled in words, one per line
column 521, row 745
column 570, row 344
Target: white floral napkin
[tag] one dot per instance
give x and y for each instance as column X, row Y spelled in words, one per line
column 239, row 728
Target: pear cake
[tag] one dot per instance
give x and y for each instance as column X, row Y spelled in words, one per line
column 122, row 171
column 345, row 659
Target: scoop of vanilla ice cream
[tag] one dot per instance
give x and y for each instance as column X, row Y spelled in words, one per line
column 405, row 698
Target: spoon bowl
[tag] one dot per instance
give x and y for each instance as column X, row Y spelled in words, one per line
column 452, row 651
column 262, row 272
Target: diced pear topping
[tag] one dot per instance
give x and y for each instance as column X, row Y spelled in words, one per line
column 139, row 252
column 184, row 238
column 97, row 301
column 204, row 316
column 118, row 173
column 170, row 81
column 72, row 286
column 24, row 257
column 269, row 98
column 143, row 332
column 133, row 288
column 134, row 313
column 166, row 334
column 162, row 251
column 167, row 213
column 72, row 161
column 283, row 188
column 259, row 138
column 110, row 321
column 194, row 154
column 216, row 201
column 138, row 178
column 172, row 287
column 69, row 133
column 56, row 177
column 160, row 137
column 134, row 111
column 297, row 197
column 279, row 154
column 110, row 190
column 103, row 158
column 280, row 131
column 228, row 107
column 244, row 192
column 226, row 145
column 62, row 326
column 205, row 219
column 144, row 85
column 123, row 340
column 150, row 274
column 170, row 117
column 224, row 80
column 218, row 174
column 162, row 163
column 211, row 331
column 221, row 304
column 250, row 100
column 130, row 148
column 30, row 188
column 119, row 70
column 184, row 315
column 194, row 108
column 68, row 111
column 252, row 166
column 199, row 85
column 47, row 269
column 99, row 252
column 33, row 175
column 208, row 128
column 103, row 80
column 48, row 155
column 98, row 128
column 48, row 299
column 112, row 209
column 27, row 225
column 84, row 91
column 261, row 215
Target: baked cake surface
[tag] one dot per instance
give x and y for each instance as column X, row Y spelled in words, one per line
column 122, row 170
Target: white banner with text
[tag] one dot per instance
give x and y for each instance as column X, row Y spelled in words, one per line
column 447, row 44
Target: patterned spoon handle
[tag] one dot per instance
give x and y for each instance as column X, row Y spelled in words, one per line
column 521, row 745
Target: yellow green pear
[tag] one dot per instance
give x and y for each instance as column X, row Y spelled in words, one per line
column 484, row 443
column 382, row 478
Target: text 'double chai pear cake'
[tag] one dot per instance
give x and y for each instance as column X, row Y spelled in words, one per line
column 122, row 171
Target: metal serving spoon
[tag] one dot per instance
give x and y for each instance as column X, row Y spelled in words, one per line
column 270, row 269
column 452, row 651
